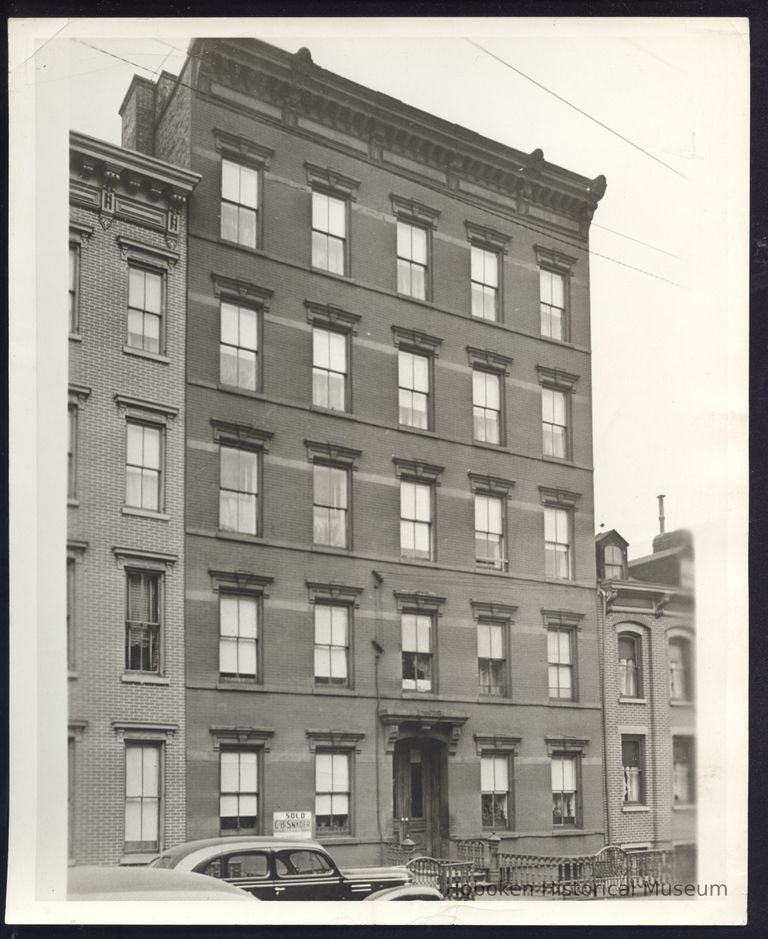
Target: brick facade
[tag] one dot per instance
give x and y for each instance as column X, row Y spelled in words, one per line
column 120, row 207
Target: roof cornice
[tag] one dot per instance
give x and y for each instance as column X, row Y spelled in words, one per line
column 377, row 124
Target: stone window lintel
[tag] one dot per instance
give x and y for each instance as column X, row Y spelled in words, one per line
column 417, row 470
column 558, row 498
column 240, row 581
column 419, row 602
column 238, row 289
column 242, row 435
column 232, row 736
column 496, row 743
column 489, row 360
column 243, row 148
column 416, row 340
column 410, row 210
column 332, row 453
column 335, row 740
column 484, row 237
column 333, row 593
column 556, row 377
column 492, row 609
column 327, row 315
column 332, row 181
column 490, row 485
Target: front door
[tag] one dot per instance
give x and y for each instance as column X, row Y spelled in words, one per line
column 417, row 775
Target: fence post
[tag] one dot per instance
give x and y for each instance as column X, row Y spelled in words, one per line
column 494, row 841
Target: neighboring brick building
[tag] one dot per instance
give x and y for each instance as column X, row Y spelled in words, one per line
column 390, row 585
column 647, row 625
column 125, row 570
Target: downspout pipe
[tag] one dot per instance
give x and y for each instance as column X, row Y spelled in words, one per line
column 602, row 617
column 378, row 651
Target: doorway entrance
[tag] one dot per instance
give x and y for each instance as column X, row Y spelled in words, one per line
column 420, row 794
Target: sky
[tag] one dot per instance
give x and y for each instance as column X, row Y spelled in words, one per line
column 653, row 97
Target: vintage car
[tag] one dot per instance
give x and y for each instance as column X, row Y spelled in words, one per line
column 280, row 869
column 141, row 883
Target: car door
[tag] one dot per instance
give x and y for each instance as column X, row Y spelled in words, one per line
column 304, row 874
column 248, row 870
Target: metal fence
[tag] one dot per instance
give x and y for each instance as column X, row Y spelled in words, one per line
column 454, row 879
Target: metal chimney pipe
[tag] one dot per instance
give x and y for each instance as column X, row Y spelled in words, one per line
column 661, row 513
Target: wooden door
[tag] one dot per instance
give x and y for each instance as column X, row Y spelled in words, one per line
column 417, row 793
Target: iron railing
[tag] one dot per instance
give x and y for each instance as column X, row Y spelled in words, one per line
column 454, row 879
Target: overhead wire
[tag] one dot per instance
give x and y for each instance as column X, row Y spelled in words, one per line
column 500, row 215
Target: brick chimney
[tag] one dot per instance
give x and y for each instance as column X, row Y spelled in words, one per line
column 138, row 114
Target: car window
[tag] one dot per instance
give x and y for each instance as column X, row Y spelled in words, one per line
column 212, row 868
column 247, row 865
column 163, row 861
column 305, row 862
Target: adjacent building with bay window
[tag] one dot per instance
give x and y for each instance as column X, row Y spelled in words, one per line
column 389, row 581
column 648, row 636
column 125, row 524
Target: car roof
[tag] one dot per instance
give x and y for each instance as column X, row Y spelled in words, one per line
column 238, row 841
column 146, row 883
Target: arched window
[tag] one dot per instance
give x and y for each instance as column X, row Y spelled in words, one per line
column 613, row 562
column 680, row 673
column 629, row 666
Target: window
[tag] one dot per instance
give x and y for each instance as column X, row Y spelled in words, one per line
column 486, row 406
column 238, row 636
column 564, row 790
column 239, row 203
column 331, row 644
column 560, row 663
column 74, row 288
column 145, row 309
column 142, row 797
column 142, row 626
column 238, row 492
column 557, row 543
column 632, row 769
column 552, row 304
column 554, row 422
column 143, row 466
column 71, row 801
column 415, row 520
column 494, row 787
column 411, row 260
column 613, row 562
column 332, row 790
column 70, row 613
column 413, row 389
column 484, row 266
column 680, row 678
column 329, row 369
column 238, row 351
column 331, row 505
column 417, row 652
column 491, row 660
column 239, row 792
column 683, row 775
column 329, row 232
column 489, row 532
column 72, row 452
column 629, row 666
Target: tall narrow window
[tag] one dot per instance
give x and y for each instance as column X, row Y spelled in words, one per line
column 71, row 800
column 683, row 776
column 331, row 644
column 145, row 309
column 74, row 283
column 564, row 791
column 239, row 488
column 239, row 791
column 70, row 614
column 143, row 466
column 417, row 652
column 239, row 203
column 494, row 787
column 142, row 797
column 238, row 636
column 332, row 793
column 557, row 543
column 680, row 678
column 613, row 562
column 485, row 283
column 489, row 531
column 629, row 666
column 72, row 452
column 552, row 303
column 238, row 349
column 331, row 504
column 411, row 260
column 413, row 389
column 329, row 369
column 142, row 632
column 491, row 659
column 560, row 663
column 554, row 422
column 486, row 406
column 632, row 768
column 415, row 520
column 329, row 232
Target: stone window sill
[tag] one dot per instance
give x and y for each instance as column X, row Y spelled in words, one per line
column 333, row 690
column 624, row 700
column 240, row 536
column 680, row 703
column 257, row 393
column 631, row 809
column 72, row 675
column 73, row 503
column 145, row 513
column 75, row 337
column 683, row 806
column 142, row 354
column 420, row 431
column 140, row 678
column 485, row 445
column 224, row 685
